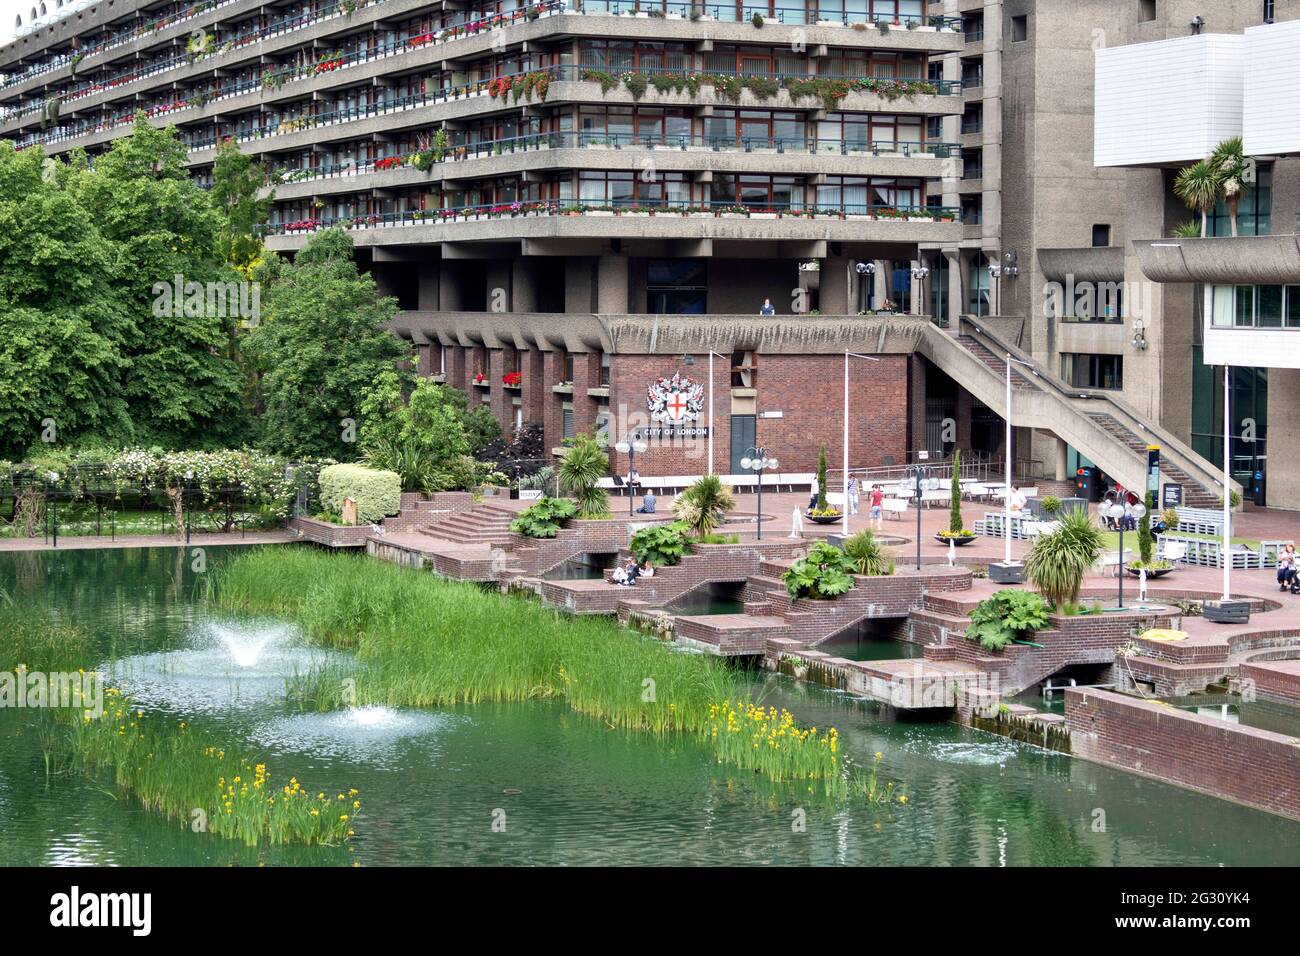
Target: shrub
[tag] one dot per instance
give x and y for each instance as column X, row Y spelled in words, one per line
column 377, row 493
column 955, row 523
column 1051, row 505
column 757, row 21
column 826, row 573
column 543, row 519
column 703, row 507
column 1147, row 543
column 821, row 508
column 1006, row 616
column 1058, row 561
column 583, row 465
column 662, row 544
column 866, row 555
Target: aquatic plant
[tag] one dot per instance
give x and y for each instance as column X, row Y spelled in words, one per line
column 1007, row 616
column 173, row 770
column 424, row 641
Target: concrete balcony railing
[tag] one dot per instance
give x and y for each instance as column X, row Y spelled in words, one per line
column 586, row 220
column 588, row 150
column 470, row 35
column 476, row 99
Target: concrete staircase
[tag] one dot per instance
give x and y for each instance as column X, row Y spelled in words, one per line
column 1098, row 425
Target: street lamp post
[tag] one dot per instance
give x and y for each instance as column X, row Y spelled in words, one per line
column 919, row 472
column 1006, row 497
column 848, row 355
column 630, row 446
column 1227, row 488
column 1116, row 511
column 758, row 461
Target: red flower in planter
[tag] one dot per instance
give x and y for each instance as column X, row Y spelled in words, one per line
column 479, row 378
column 512, row 378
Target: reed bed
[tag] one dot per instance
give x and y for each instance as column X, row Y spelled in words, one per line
column 423, row 641
column 171, row 769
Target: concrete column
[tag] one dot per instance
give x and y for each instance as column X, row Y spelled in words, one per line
column 612, row 285
column 916, row 411
column 1062, row 460
column 523, row 292
column 498, row 292
column 917, row 290
column 578, row 285
column 450, row 297
column 883, row 276
column 837, row 294
column 956, row 287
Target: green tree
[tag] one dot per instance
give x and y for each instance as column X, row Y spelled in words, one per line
column 181, row 386
column 64, row 323
column 1198, row 187
column 1230, row 164
column 583, row 465
column 319, row 347
column 821, row 479
column 236, row 180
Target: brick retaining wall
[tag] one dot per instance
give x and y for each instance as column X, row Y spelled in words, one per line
column 1254, row 767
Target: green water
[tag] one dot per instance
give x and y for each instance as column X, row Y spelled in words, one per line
column 568, row 790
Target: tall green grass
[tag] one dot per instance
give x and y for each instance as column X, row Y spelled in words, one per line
column 424, row 641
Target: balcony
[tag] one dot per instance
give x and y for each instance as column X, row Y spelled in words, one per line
column 1245, row 260
column 924, row 34
column 631, row 220
column 591, row 150
column 564, row 83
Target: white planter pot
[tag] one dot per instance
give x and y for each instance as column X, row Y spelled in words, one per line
column 600, row 212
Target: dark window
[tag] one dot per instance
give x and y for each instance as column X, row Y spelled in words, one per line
column 1147, row 10
column 744, row 368
column 1268, row 11
column 742, row 439
column 972, row 164
column 1081, row 370
column 1101, row 235
column 676, row 287
column 1020, row 28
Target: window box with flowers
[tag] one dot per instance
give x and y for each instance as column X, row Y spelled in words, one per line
column 481, row 380
column 513, row 380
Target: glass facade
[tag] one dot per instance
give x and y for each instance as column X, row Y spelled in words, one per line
column 1253, row 211
column 1249, row 431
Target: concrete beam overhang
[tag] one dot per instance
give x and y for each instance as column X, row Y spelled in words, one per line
column 1084, row 264
column 1244, row 260
column 668, row 334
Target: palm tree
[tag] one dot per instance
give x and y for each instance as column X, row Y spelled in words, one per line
column 867, row 556
column 1229, row 162
column 1198, row 187
column 704, row 505
column 580, row 470
column 1058, row 561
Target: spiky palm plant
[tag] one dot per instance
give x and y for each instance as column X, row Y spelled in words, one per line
column 1198, row 187
column 583, row 465
column 1188, row 230
column 704, row 506
column 1229, row 162
column 1058, row 561
column 867, row 556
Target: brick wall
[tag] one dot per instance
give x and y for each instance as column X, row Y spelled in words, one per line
column 1272, row 683
column 1085, row 639
column 1254, row 767
column 808, row 389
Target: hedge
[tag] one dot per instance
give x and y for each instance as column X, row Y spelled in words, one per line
column 377, row 493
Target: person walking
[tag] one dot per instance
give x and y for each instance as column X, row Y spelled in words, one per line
column 877, row 513
column 853, row 494
column 812, row 502
column 768, row 308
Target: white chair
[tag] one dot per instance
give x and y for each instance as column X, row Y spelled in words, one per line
column 893, row 507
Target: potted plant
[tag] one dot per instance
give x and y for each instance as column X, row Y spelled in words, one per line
column 821, row 512
column 957, row 533
column 1007, row 616
column 1147, row 546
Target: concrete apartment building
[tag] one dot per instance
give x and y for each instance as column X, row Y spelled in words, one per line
column 575, row 202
